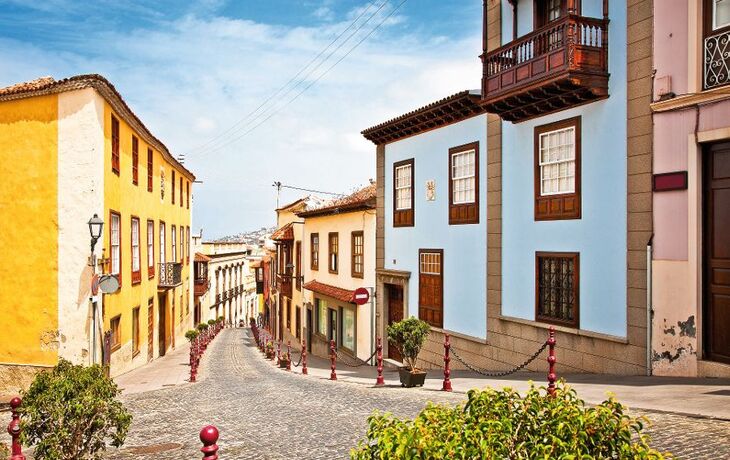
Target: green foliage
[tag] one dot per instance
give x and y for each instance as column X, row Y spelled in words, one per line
column 220, row 319
column 284, row 356
column 408, row 336
column 500, row 424
column 202, row 326
column 4, row 451
column 211, row 322
column 71, row 412
column 270, row 345
column 191, row 334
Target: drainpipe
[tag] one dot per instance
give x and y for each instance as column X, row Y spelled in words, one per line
column 372, row 324
column 649, row 309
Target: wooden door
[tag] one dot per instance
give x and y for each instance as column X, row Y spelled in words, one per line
column 332, row 326
column 431, row 287
column 161, row 324
column 309, row 329
column 717, row 253
column 150, row 329
column 395, row 314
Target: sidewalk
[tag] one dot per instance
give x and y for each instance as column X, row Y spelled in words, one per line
column 167, row 371
column 703, row 397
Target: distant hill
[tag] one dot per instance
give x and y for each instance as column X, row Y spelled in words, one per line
column 254, row 237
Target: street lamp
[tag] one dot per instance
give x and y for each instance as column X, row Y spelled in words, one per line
column 95, row 227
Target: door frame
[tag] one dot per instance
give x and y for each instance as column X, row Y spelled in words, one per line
column 161, row 324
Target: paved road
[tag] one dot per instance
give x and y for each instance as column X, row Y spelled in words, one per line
column 265, row 413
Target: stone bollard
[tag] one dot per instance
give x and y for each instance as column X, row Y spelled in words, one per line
column 333, row 357
column 380, row 381
column 14, row 430
column 305, row 371
column 447, row 367
column 288, row 353
column 552, row 359
column 209, row 438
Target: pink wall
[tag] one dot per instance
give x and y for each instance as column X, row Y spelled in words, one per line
column 670, row 42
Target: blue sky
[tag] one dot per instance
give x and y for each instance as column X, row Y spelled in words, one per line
column 192, row 70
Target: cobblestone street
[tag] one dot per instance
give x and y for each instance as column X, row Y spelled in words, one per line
column 265, row 413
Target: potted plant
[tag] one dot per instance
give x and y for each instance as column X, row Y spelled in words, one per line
column 284, row 360
column 408, row 337
column 269, row 350
column 191, row 335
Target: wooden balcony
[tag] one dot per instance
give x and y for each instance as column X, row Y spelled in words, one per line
column 201, row 286
column 170, row 275
column 283, row 285
column 559, row 66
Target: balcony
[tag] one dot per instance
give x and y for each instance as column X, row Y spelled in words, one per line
column 170, row 275
column 201, row 286
column 283, row 284
column 717, row 60
column 553, row 68
column 259, row 287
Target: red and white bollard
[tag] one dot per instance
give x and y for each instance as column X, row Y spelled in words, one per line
column 209, row 438
column 333, row 357
column 305, row 371
column 447, row 366
column 380, row 381
column 278, row 352
column 551, row 361
column 288, row 353
column 14, row 430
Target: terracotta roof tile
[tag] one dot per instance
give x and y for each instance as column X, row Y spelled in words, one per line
column 343, row 295
column 199, row 257
column 361, row 199
column 284, row 233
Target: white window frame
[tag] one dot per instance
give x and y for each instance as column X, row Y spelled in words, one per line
column 163, row 243
column 115, row 252
column 173, row 243
column 543, row 164
column 716, row 26
column 150, row 244
column 430, row 263
column 455, row 179
column 407, row 188
column 135, row 245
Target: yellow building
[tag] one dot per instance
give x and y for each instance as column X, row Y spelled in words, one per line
column 70, row 149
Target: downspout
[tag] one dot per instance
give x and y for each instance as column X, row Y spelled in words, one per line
column 649, row 309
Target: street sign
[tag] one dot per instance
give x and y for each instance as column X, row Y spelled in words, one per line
column 361, row 296
column 108, row 284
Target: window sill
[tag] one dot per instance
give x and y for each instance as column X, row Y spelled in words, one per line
column 358, row 275
column 565, row 329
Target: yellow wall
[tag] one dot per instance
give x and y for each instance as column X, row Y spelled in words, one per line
column 122, row 196
column 28, row 230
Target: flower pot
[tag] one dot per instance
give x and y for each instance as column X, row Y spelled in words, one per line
column 410, row 378
column 283, row 363
column 269, row 354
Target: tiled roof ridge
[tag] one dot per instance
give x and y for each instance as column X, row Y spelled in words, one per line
column 363, row 197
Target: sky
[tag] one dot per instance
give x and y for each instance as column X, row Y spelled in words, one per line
column 252, row 91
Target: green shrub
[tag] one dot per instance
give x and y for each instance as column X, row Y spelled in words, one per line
column 202, row 326
column 220, row 319
column 408, row 336
column 500, row 424
column 191, row 334
column 71, row 412
column 211, row 322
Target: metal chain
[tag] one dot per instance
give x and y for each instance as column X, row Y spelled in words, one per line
column 301, row 355
column 362, row 363
column 503, row 373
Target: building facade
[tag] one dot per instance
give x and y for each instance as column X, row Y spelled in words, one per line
column 85, row 152
column 691, row 183
column 338, row 258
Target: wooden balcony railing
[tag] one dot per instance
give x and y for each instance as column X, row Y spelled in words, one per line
column 717, row 60
column 284, row 284
column 201, row 286
column 552, row 68
column 170, row 275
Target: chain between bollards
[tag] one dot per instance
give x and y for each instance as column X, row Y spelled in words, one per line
column 380, row 381
column 333, row 357
column 209, row 438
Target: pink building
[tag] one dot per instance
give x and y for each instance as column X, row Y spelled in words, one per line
column 691, row 183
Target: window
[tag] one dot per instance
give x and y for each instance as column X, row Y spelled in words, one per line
column 403, row 198
column 182, row 244
column 547, row 11
column 716, row 32
column 557, row 170
column 163, row 243
column 556, row 281
column 464, row 184
column 181, row 190
column 298, row 252
column 187, row 301
column 314, row 247
column 173, row 243
column 187, row 194
column 135, row 160
column 149, row 169
column 358, row 257
column 717, row 14
column 430, row 286
column 115, row 254
column 334, row 243
column 348, row 329
column 172, row 187
column 115, row 145
column 136, row 271
column 181, row 307
column 321, row 316
column 135, row 332
column 116, row 329
column 187, row 245
column 150, row 248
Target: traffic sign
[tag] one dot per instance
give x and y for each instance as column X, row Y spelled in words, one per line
column 361, row 296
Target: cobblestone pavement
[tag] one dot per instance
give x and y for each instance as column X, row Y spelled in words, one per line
column 265, row 413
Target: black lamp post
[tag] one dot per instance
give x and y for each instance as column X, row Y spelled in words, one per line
column 95, row 227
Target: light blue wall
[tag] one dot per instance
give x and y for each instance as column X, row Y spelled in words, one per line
column 600, row 235
column 465, row 246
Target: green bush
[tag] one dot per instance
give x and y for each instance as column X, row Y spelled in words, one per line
column 211, row 322
column 71, row 412
column 501, row 424
column 191, row 334
column 408, row 336
column 202, row 326
column 220, row 319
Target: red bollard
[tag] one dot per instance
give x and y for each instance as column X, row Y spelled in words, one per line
column 278, row 352
column 551, row 361
column 333, row 357
column 14, row 430
column 305, row 371
column 380, row 381
column 288, row 353
column 192, row 361
column 447, row 368
column 209, row 438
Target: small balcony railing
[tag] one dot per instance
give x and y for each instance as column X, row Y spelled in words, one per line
column 284, row 284
column 562, row 64
column 170, row 275
column 717, row 60
column 201, row 286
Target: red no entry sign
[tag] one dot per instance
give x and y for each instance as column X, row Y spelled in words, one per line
column 361, row 296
